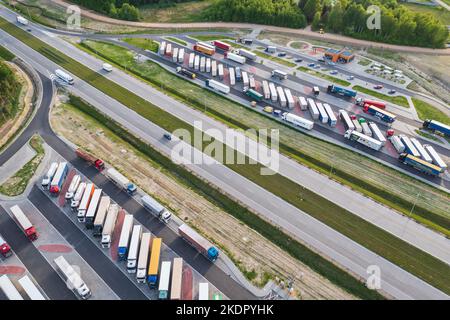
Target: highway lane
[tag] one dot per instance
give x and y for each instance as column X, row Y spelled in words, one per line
column 52, row 284
column 395, row 281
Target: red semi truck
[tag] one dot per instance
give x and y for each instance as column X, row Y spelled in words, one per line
column 98, row 163
column 221, row 45
column 5, row 249
column 367, row 102
column 24, row 223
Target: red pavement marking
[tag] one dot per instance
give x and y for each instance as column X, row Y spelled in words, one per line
column 59, row 248
column 116, row 235
column 65, row 187
column 12, row 270
column 252, row 69
column 186, row 283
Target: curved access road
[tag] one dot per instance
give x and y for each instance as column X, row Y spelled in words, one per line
column 233, row 25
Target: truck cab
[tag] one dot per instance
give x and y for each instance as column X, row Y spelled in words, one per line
column 5, row 249
column 131, row 189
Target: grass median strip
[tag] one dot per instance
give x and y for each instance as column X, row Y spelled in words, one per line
column 427, row 111
column 177, row 40
column 399, row 252
column 5, row 54
column 274, row 58
column 398, row 100
column 324, row 76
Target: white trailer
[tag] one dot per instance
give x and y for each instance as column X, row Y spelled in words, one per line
column 279, row 74
column 169, row 49
column 164, row 280
column 376, row 133
column 266, row 89
column 332, row 120
column 30, row 289
column 78, row 195
column 134, row 248
column 251, row 82
column 398, row 144
column 365, row 128
column 248, row 54
column 281, row 97
column 84, row 203
column 323, row 115
column 108, row 228
column 297, row 121
column 64, row 76
column 9, row 289
column 273, row 92
column 363, row 139
column 357, row 125
column 290, row 98
column 202, row 64
column 214, row 68
column 197, row 62
column 177, row 275
column 142, row 264
column 49, row 176
column 121, row 181
column 348, row 123
column 181, row 55
column 232, row 76
column 162, row 48
column 303, row 103
column 245, row 80
column 175, row 55
column 73, row 187
column 313, row 109
column 103, row 207
column 409, row 146
column 22, row 20
column 235, row 57
column 208, row 65
column 423, row 153
column 125, row 235
column 437, row 160
column 203, row 291
column 218, row 86
column 191, row 60
column 156, row 208
column 100, row 217
column 93, row 204
column 220, row 71
column 72, row 278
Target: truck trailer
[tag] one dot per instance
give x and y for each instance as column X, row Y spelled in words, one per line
column 297, row 120
column 153, row 269
column 8, row 288
column 73, row 187
column 98, row 163
column 186, row 72
column 347, row 121
column 58, row 179
column 341, row 91
column 289, row 98
column 133, row 250
column 92, row 208
column 177, row 275
column 108, row 227
column 232, row 76
column 409, row 146
column 24, row 223
column 279, row 74
column 208, row 65
column 197, row 62
column 365, row 127
column 220, row 72
column 144, row 253
column 125, row 234
column 22, row 20
column 379, row 113
column 156, row 208
column 437, row 160
column 85, row 200
column 363, row 102
column 102, row 209
column 221, row 45
column 175, row 55
column 303, row 103
column 191, row 60
column 202, row 64
column 313, row 109
column 203, row 291
column 204, row 48
column 332, row 120
column 49, row 175
column 363, row 139
column 198, row 242
column 436, row 126
column 30, row 289
column 420, row 164
column 266, row 90
column 253, row 94
column 121, row 181
column 214, row 68
column 423, row 153
column 273, row 92
column 323, row 115
column 181, row 55
column 245, row 80
column 397, row 143
column 281, row 97
column 100, row 219
column 248, row 54
column 376, row 133
column 217, row 86
column 72, row 278
column 75, row 202
column 235, row 57
column 164, row 280
column 162, row 48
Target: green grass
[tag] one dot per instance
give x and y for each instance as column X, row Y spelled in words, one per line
column 5, row 54
column 439, row 13
column 211, row 37
column 364, row 62
column 398, row 100
column 191, row 11
column 143, row 43
column 427, row 111
column 17, row 184
column 179, row 41
column 427, row 135
column 324, row 76
column 406, row 256
column 274, row 58
column 211, row 193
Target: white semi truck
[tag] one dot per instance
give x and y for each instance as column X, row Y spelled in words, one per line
column 121, row 181
column 156, row 208
column 363, row 139
column 72, row 278
column 297, row 121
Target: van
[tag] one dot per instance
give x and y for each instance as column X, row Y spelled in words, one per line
column 107, row 67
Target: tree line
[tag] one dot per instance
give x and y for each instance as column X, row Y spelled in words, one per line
column 9, row 93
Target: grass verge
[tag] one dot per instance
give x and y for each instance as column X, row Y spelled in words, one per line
column 177, row 40
column 413, row 260
column 143, row 43
column 5, row 54
column 427, row 111
column 274, row 58
column 272, row 233
column 211, row 37
column 324, row 76
column 16, row 184
column 398, row 100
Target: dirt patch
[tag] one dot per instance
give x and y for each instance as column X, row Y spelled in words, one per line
column 252, row 252
column 11, row 126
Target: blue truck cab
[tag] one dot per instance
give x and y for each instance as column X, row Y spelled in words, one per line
column 213, row 254
column 341, row 91
column 434, row 126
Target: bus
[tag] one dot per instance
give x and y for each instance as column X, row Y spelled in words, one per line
column 8, row 289
column 30, row 289
column 152, row 275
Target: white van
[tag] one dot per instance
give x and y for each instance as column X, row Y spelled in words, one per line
column 107, row 67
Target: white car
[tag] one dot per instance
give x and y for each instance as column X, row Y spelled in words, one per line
column 107, row 67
